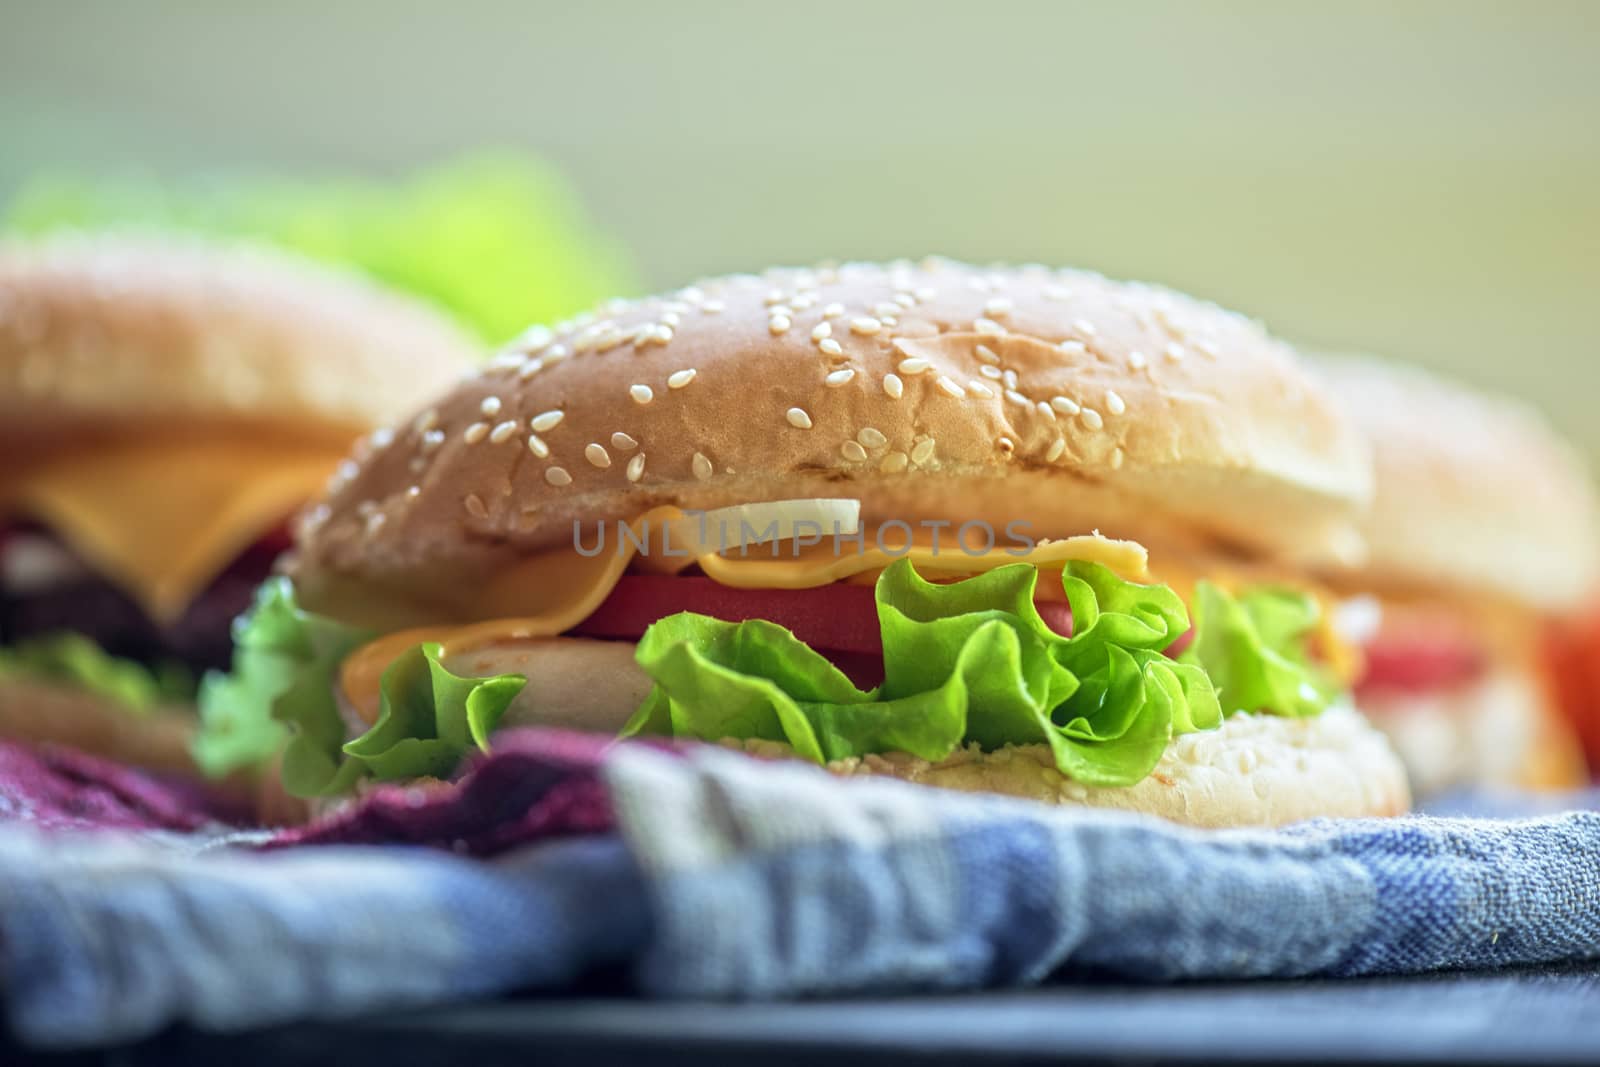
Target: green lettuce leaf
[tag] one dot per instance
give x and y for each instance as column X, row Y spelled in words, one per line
column 284, row 663
column 499, row 240
column 281, row 694
column 74, row 659
column 1254, row 648
column 967, row 661
column 428, row 719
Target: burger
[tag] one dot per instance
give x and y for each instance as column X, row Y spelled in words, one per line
column 1019, row 530
column 1483, row 542
column 165, row 407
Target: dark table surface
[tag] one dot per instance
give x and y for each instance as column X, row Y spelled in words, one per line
column 1544, row 1015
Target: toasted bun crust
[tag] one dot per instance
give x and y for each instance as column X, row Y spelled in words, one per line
column 1256, row 770
column 929, row 390
column 145, row 330
column 40, row 712
column 1473, row 491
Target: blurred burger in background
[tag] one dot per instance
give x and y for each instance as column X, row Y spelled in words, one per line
column 1483, row 541
column 165, row 406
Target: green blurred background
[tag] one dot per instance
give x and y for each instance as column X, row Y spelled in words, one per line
column 1419, row 179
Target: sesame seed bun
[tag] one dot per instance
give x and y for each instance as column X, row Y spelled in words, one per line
column 934, row 390
column 43, row 712
column 1473, row 492
column 147, row 330
column 1255, row 770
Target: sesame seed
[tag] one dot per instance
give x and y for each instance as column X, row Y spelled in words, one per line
column 1065, row 404
column 712, row 307
column 557, row 476
column 923, row 451
column 432, row 440
column 679, row 379
column 1114, row 402
column 596, row 454
column 426, row 421
column 894, row 462
column 1136, row 360
column 1017, row 398
column 382, row 437
column 1058, row 446
column 853, row 452
column 1045, row 411
column 886, row 309
column 798, row 418
column 839, row 377
column 1092, row 419
column 1084, row 326
column 830, row 346
column 555, row 354
column 1056, row 292
column 663, row 334
column 998, row 306
column 534, row 339
column 642, row 394
column 546, row 421
column 802, row 301
column 701, row 466
column 475, row 506
column 871, row 437
column 893, row 386
column 622, row 442
column 888, row 320
column 1207, row 348
column 413, row 491
column 977, row 388
column 503, row 432
column 1174, row 352
column 822, row 331
column 636, row 467
column 671, row 317
column 1117, row 457
column 987, row 354
column 1006, row 445
column 988, row 327
column 905, row 300
column 833, row 311
column 949, row 386
column 529, row 369
column 475, row 433
column 1073, row 347
column 779, row 324
column 1009, row 376
column 774, row 297
column 990, row 372
column 537, row 446
column 865, row 325
column 925, row 293
column 914, row 365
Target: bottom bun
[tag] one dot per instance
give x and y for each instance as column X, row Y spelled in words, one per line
column 1498, row 731
column 43, row 712
column 1255, row 770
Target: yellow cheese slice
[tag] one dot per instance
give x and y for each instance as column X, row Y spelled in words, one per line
column 161, row 518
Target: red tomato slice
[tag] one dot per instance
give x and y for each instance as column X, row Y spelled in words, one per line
column 1419, row 663
column 838, row 617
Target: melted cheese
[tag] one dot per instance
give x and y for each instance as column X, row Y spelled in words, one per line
column 161, row 518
